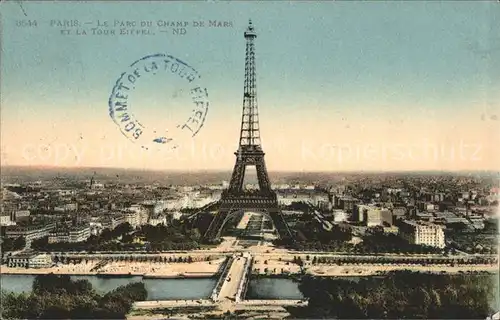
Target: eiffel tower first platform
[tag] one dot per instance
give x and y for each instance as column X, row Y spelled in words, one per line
column 250, row 153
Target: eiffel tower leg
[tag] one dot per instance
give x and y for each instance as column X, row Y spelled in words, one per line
column 280, row 223
column 263, row 178
column 214, row 230
column 236, row 184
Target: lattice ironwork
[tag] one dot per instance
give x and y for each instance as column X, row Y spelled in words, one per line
column 249, row 153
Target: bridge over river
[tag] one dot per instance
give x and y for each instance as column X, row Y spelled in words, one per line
column 229, row 293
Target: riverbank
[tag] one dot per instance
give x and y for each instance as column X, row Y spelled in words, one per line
column 198, row 269
column 280, row 266
column 206, row 309
column 369, row 270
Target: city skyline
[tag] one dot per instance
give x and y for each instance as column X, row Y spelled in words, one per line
column 407, row 87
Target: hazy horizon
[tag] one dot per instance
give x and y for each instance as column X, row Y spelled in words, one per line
column 20, row 175
column 47, row 167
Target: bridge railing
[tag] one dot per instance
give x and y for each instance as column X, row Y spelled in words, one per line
column 243, row 285
column 223, row 274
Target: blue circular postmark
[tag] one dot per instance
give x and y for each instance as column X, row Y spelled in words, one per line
column 170, row 85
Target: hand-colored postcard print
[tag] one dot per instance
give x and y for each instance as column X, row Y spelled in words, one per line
column 248, row 159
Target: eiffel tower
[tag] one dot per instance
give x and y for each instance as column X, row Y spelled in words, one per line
column 236, row 198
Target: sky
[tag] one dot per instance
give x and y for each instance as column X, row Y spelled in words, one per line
column 342, row 86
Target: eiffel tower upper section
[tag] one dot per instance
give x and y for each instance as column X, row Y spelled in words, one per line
column 249, row 151
column 250, row 131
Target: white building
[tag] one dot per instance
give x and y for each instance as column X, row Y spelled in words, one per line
column 359, row 212
column 112, row 221
column 276, row 186
column 376, row 216
column 29, row 260
column 340, row 216
column 496, row 316
column 292, row 212
column 176, row 215
column 73, row 234
column 133, row 218
column 96, row 228
column 215, row 187
column 477, row 222
column 21, row 214
column 29, row 232
column 58, row 236
column 157, row 221
column 287, row 198
column 66, row 193
column 6, row 221
column 79, row 233
column 320, row 199
column 66, row 207
column 173, row 204
column 422, row 233
column 140, row 214
column 97, row 186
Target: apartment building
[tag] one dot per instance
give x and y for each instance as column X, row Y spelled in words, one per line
column 29, row 232
column 5, row 220
column 29, row 260
column 422, row 233
column 375, row 216
column 73, row 234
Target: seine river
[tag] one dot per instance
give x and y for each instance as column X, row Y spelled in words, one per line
column 169, row 289
column 273, row 288
column 158, row 289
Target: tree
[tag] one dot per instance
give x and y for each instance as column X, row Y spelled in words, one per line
column 195, row 234
column 401, row 294
column 133, row 291
column 51, row 283
column 41, row 244
column 113, row 307
column 19, row 243
column 82, row 287
column 127, row 238
column 13, row 305
column 299, row 261
column 7, row 244
column 59, row 297
column 122, row 229
column 84, row 307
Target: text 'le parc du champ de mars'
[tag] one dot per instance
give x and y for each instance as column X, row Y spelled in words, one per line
column 134, row 27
